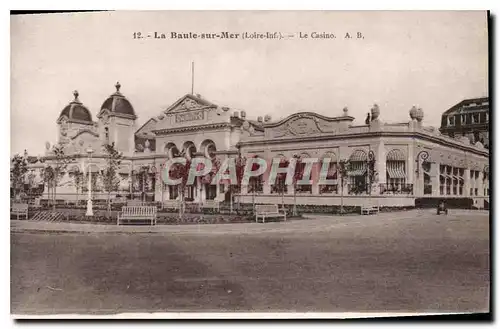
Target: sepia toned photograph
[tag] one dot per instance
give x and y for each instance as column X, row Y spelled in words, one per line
column 249, row 164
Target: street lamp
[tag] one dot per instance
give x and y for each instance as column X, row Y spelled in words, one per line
column 89, row 200
column 370, row 162
column 422, row 155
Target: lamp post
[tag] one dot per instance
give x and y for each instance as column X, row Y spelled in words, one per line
column 371, row 159
column 421, row 156
column 89, row 200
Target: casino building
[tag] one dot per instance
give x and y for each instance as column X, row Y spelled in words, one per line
column 408, row 160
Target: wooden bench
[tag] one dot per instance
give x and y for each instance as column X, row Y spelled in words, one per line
column 368, row 210
column 20, row 209
column 137, row 213
column 268, row 211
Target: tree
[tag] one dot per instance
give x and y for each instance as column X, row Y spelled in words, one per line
column 181, row 171
column 239, row 164
column 371, row 173
column 280, row 186
column 109, row 175
column 141, row 177
column 78, row 180
column 59, row 167
column 48, row 178
column 18, row 169
column 297, row 175
column 344, row 166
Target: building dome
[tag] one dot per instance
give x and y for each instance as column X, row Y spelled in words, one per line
column 76, row 111
column 118, row 104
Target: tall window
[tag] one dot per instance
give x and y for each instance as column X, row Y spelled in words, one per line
column 255, row 184
column 395, row 171
column 173, row 192
column 331, row 174
column 451, row 180
column 426, row 166
column 299, row 172
column 451, row 120
column 357, row 172
column 279, row 185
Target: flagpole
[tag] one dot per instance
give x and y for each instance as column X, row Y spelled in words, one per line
column 192, row 78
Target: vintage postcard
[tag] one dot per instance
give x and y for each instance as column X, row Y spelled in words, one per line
column 251, row 164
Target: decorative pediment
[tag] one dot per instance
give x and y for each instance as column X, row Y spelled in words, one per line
column 189, row 103
column 303, row 124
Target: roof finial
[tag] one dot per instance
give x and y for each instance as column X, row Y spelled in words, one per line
column 75, row 93
column 118, row 86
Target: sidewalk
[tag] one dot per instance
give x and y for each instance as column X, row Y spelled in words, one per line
column 310, row 223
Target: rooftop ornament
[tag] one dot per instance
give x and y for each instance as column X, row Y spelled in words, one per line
column 413, row 112
column 375, row 111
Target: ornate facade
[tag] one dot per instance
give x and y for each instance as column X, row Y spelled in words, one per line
column 407, row 160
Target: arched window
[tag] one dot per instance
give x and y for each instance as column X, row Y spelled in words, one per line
column 256, row 184
column 300, row 167
column 106, row 134
column 358, row 163
column 395, row 172
column 330, row 174
column 280, row 186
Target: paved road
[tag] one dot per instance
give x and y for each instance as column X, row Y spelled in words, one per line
column 407, row 261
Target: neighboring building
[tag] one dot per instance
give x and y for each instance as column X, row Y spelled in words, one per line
column 411, row 161
column 468, row 118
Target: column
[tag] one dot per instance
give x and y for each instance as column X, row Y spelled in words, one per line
column 435, row 179
column 315, row 177
column 410, row 172
column 158, row 190
column 480, row 185
column 381, row 166
column 467, row 182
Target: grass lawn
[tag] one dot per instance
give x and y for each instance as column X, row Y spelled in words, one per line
column 388, row 262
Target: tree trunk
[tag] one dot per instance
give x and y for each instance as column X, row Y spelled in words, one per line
column 230, row 200
column 342, row 195
column 77, row 195
column 109, row 202
column 295, row 200
column 55, row 195
column 253, row 198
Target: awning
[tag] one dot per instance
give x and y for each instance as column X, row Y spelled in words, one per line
column 357, row 172
column 396, row 172
column 396, row 155
column 358, row 155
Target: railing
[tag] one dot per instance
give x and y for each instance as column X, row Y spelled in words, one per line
column 396, row 189
column 328, row 189
column 354, row 189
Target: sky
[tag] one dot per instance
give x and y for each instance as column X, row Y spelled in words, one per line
column 429, row 59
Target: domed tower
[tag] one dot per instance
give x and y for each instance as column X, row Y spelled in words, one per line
column 117, row 121
column 73, row 118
